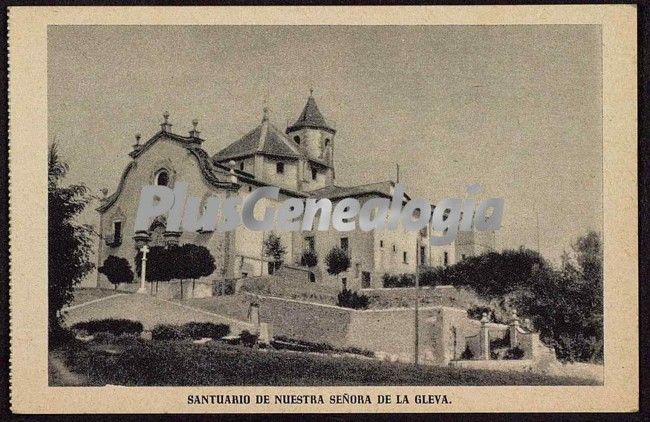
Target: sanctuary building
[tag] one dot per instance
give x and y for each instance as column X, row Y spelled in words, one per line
column 300, row 161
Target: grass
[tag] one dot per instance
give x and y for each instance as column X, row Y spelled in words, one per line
column 138, row 362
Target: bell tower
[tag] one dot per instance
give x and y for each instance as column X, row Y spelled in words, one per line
column 313, row 135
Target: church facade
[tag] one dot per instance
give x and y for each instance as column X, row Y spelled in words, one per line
column 300, row 161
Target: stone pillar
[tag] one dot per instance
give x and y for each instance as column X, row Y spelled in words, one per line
column 484, row 337
column 265, row 333
column 254, row 316
column 514, row 329
column 143, row 273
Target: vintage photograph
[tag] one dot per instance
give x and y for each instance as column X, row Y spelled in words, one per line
column 159, row 136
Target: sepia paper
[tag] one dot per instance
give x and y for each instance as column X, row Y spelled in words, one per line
column 42, row 43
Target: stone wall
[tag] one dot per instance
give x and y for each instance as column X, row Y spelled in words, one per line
column 390, row 332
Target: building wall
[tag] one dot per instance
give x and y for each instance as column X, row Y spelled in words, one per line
column 309, row 184
column 183, row 167
column 474, row 243
column 267, row 172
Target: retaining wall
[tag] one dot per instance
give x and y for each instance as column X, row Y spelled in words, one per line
column 442, row 330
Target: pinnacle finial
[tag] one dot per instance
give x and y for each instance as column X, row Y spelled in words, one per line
column 166, row 116
column 195, row 123
column 311, row 91
column 265, row 115
column 137, row 138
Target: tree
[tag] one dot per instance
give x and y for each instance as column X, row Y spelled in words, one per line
column 117, row 270
column 274, row 249
column 337, row 261
column 69, row 243
column 565, row 303
column 190, row 262
column 492, row 275
column 309, row 259
column 159, row 267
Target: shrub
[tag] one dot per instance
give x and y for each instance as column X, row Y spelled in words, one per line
column 113, row 326
column 467, row 354
column 514, row 353
column 104, row 337
column 401, row 280
column 168, row 332
column 428, row 277
column 477, row 311
column 197, row 330
column 309, row 258
column 350, row 299
column 357, row 351
column 247, row 338
column 500, row 343
column 127, row 339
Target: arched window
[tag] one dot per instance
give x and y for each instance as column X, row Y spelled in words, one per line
column 162, row 178
column 297, row 139
column 327, row 142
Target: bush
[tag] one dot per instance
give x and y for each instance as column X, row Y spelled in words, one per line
column 127, row 339
column 500, row 343
column 357, row 351
column 467, row 354
column 113, row 326
column 401, row 280
column 197, row 330
column 514, row 353
column 477, row 311
column 428, row 277
column 248, row 339
column 350, row 299
column 104, row 337
column 309, row 258
column 168, row 332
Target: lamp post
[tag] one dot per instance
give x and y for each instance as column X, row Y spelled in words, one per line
column 143, row 276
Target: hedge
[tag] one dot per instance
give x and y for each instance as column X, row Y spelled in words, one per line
column 113, row 326
column 191, row 330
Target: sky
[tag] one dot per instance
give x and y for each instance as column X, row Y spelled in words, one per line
column 515, row 109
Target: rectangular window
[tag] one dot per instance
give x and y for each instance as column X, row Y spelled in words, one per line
column 381, row 243
column 423, row 252
column 314, row 173
column 117, row 231
column 345, row 244
column 241, row 166
column 446, row 259
column 462, row 256
column 394, row 248
column 279, row 168
column 404, row 256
